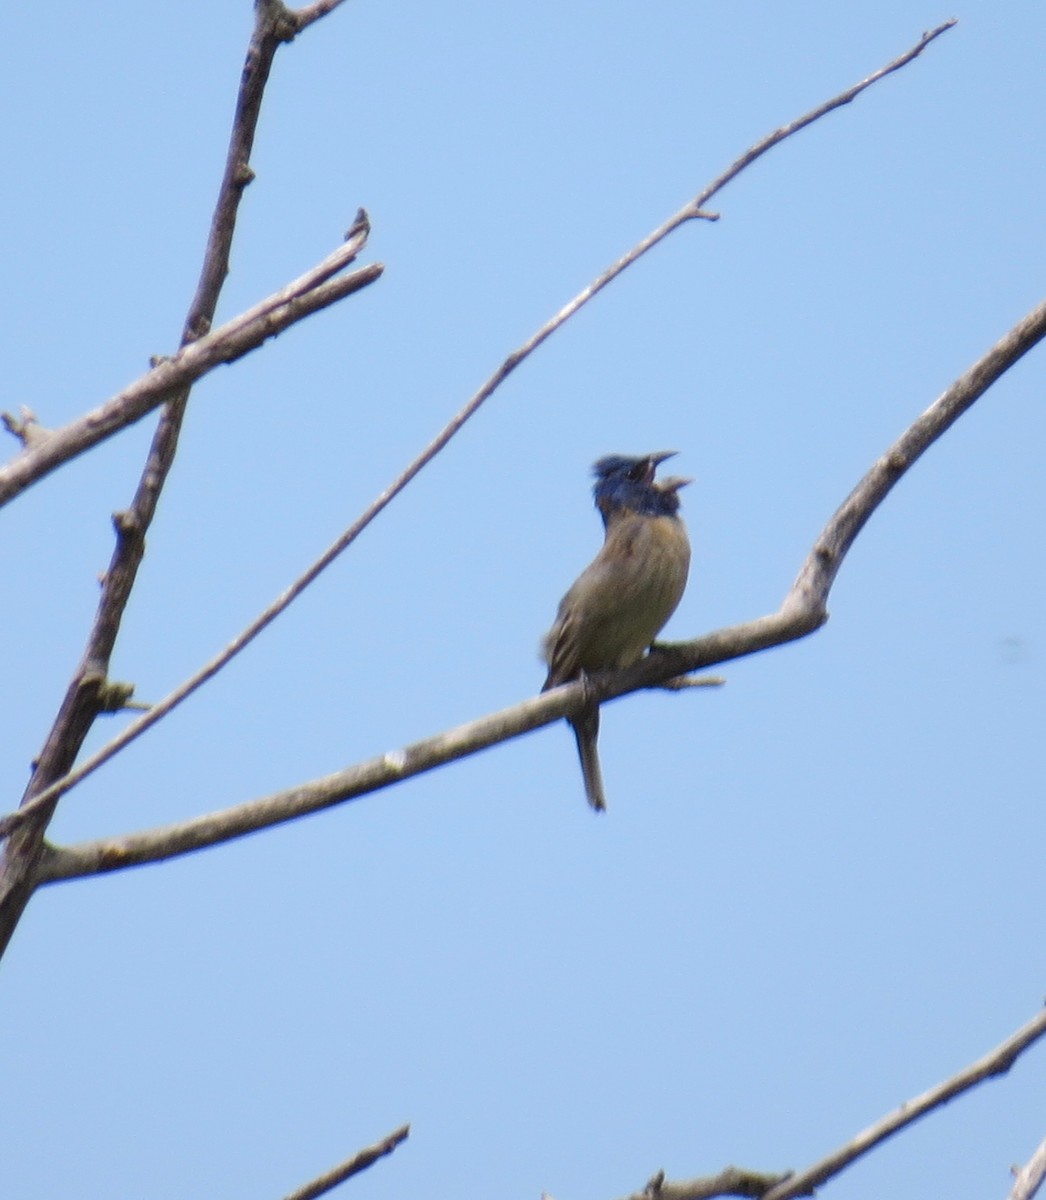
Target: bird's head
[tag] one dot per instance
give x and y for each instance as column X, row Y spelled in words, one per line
column 628, row 483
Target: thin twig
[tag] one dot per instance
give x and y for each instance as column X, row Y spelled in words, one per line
column 303, row 17
column 803, row 611
column 693, row 209
column 351, row 1166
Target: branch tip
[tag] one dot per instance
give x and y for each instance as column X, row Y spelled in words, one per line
column 352, row 1166
column 360, row 225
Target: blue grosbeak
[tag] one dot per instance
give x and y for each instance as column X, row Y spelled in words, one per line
column 621, row 601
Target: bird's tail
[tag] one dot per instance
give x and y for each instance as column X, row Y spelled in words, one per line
column 586, row 730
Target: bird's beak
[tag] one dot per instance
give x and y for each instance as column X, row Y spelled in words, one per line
column 673, row 483
column 661, row 455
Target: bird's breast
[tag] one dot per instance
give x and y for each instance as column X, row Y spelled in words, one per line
column 635, row 584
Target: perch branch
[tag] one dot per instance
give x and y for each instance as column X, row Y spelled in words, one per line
column 693, row 209
column 804, row 610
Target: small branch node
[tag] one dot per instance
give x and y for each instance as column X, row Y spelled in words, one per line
column 26, row 427
column 127, row 524
column 682, row 682
column 275, row 20
column 653, row 1187
column 114, row 697
column 198, row 329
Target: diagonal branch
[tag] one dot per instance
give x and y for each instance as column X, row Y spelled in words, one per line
column 169, row 378
column 820, row 569
column 691, row 210
column 360, row 1161
column 734, row 1181
column 804, row 610
column 996, row 1062
column 1028, row 1179
column 303, row 17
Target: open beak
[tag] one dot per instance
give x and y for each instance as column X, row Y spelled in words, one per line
column 654, row 460
column 672, row 483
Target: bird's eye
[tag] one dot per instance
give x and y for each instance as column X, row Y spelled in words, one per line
column 638, row 472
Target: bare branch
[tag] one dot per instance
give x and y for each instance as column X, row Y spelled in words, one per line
column 735, row 1181
column 21, row 474
column 814, row 114
column 694, row 209
column 1028, row 1179
column 303, row 17
column 113, row 854
column 85, row 695
column 818, row 572
column 997, row 1062
column 316, row 289
column 731, row 1181
column 26, row 427
column 351, row 1166
column 804, row 610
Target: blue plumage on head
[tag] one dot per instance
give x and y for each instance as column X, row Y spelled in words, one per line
column 627, row 483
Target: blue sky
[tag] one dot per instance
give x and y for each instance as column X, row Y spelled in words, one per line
column 818, row 889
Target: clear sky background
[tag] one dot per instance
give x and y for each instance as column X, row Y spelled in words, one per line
column 819, row 889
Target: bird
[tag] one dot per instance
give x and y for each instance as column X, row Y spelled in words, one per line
column 624, row 597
